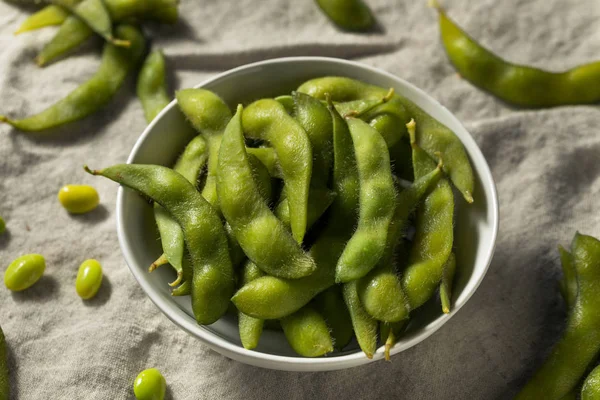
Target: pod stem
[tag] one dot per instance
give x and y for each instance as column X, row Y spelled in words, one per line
column 411, row 126
column 389, row 343
column 178, row 280
column 119, row 42
column 91, row 171
column 383, row 100
column 162, row 260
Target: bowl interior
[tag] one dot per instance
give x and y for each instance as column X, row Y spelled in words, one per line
column 164, row 139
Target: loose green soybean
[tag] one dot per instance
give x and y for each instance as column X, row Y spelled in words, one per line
column 263, row 237
column 89, row 279
column 330, row 304
column 23, row 272
column 47, row 16
column 446, row 285
column 117, row 62
column 250, row 328
column 376, row 207
column 580, row 343
column 78, row 199
column 150, row 385
column 516, row 84
column 365, row 326
column 591, row 386
column 189, row 165
column 381, row 291
column 4, row 383
column 434, row 234
column 206, row 242
column 352, row 15
column 307, row 333
column 209, row 115
column 432, row 136
column 271, row 298
column 268, row 120
column 152, row 85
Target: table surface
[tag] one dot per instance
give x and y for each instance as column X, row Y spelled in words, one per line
column 546, row 164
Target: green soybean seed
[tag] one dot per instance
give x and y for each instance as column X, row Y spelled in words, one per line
column 250, row 328
column 591, row 386
column 78, row 199
column 365, row 326
column 352, row 15
column 116, row 63
column 23, row 272
column 580, row 342
column 47, row 16
column 434, row 234
column 152, row 85
column 2, row 226
column 307, row 333
column 212, row 278
column 189, row 165
column 89, row 279
column 260, row 233
column 4, row 382
column 209, row 115
column 150, row 385
column 270, row 297
column 268, row 120
column 446, row 285
column 432, row 136
column 377, row 203
column 330, row 304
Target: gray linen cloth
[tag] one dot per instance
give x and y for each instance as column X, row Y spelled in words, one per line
column 546, row 164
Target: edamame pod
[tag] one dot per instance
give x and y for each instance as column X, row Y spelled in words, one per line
column 117, row 62
column 263, row 237
column 568, row 284
column 268, row 120
column 377, row 202
column 268, row 158
column 47, row 16
column 330, row 304
column 365, row 326
column 446, row 285
column 4, row 382
column 307, row 333
column 152, row 85
column 271, row 298
column 250, row 328
column 580, row 343
column 209, row 115
column 70, row 35
column 432, row 136
column 352, row 15
column 591, row 386
column 206, row 242
column 434, row 234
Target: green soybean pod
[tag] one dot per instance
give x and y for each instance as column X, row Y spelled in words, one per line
column 2, row 226
column 434, row 234
column 268, row 120
column 287, row 102
column 24, row 271
column 377, row 202
column 212, row 277
column 268, row 158
column 164, row 11
column 381, row 291
column 352, row 15
column 330, row 304
column 4, row 382
column 446, row 284
column 47, row 16
column 250, row 328
column 271, row 298
column 89, row 279
column 209, row 115
column 591, row 386
column 580, row 342
column 90, row 96
column 189, row 165
column 365, row 326
column 307, row 333
column 152, row 85
column 568, row 284
column 432, row 136
column 319, row 200
column 70, row 35
column 262, row 236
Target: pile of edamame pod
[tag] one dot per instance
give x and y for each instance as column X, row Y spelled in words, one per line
column 302, row 212
column 117, row 22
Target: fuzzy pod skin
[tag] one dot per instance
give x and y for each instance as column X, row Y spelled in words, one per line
column 580, row 344
column 307, row 333
column 330, row 304
column 591, row 386
column 48, row 16
column 351, row 15
column 432, row 136
column 212, row 281
column 250, row 328
column 365, row 326
column 152, row 85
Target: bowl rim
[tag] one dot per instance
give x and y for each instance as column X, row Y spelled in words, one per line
column 267, row 360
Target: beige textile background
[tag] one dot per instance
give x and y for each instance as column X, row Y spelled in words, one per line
column 546, row 164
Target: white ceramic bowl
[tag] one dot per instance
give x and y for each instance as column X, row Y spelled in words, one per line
column 165, row 137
